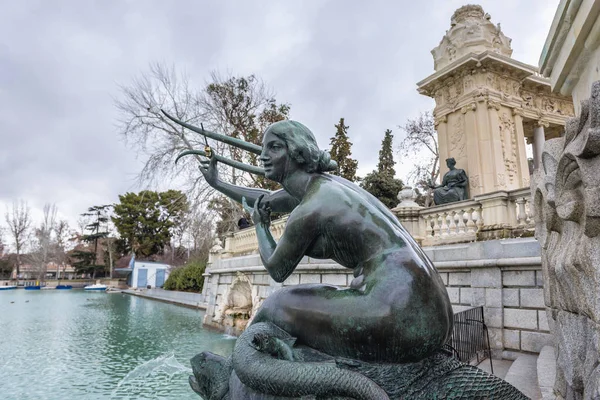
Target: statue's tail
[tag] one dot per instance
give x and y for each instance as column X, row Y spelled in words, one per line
column 259, row 370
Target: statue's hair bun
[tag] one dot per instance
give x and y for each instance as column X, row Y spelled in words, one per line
column 325, row 162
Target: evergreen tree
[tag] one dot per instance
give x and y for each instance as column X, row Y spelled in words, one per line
column 146, row 221
column 341, row 151
column 381, row 182
column 386, row 157
column 86, row 258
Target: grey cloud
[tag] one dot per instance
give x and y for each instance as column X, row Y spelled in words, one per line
column 61, row 63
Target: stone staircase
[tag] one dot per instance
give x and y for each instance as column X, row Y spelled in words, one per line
column 534, row 374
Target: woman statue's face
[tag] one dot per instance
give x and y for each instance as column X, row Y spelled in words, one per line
column 275, row 157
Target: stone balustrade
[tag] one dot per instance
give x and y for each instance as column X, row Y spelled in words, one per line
column 494, row 215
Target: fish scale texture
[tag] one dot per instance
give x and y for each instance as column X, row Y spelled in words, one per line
column 257, row 375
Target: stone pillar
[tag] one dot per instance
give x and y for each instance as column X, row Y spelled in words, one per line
column 521, row 151
column 496, row 160
column 408, row 213
column 539, row 138
column 472, row 161
column 441, row 126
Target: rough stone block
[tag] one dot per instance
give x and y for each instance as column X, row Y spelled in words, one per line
column 495, row 338
column 293, row 279
column 486, row 277
column 335, row 279
column 535, row 341
column 310, row 278
column 459, row 279
column 444, row 276
column 493, row 317
column 477, row 297
column 454, row 294
column 518, row 278
column 510, row 297
column 262, row 292
column 466, row 295
column 225, row 278
column 539, row 279
column 521, row 319
column 222, row 289
column 493, row 297
column 512, row 339
column 533, row 298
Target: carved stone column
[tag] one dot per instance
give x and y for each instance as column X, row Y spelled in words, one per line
column 471, row 161
column 539, row 137
column 521, row 150
column 441, row 126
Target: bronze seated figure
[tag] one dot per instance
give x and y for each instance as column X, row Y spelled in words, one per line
column 323, row 340
column 454, row 185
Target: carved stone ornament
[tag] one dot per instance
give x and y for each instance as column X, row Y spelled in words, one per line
column 471, row 32
column 440, row 120
column 508, row 138
column 566, row 192
column 457, row 137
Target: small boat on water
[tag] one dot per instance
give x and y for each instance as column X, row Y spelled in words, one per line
column 63, row 287
column 33, row 287
column 96, row 286
column 8, row 287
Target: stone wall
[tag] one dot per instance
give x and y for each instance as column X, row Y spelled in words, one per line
column 504, row 276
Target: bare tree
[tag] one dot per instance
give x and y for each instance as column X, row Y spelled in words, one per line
column 156, row 137
column 62, row 235
column 43, row 241
column 421, row 139
column 240, row 107
column 19, row 223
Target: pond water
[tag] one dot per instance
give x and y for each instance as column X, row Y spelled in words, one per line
column 71, row 344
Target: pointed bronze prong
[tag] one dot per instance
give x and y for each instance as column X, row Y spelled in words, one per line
column 232, row 163
column 242, row 144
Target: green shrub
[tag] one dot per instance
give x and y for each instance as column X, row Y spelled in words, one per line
column 171, row 282
column 187, row 278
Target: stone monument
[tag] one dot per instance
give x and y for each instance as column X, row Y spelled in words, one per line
column 566, row 194
column 488, row 105
column 381, row 338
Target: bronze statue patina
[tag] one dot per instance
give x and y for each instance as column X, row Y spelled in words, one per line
column 454, row 185
column 323, row 340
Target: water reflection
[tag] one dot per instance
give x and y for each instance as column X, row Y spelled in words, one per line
column 75, row 344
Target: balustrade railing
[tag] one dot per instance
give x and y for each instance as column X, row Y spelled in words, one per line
column 450, row 223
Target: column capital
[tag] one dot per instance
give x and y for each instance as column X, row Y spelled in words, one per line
column 493, row 104
column 543, row 123
column 517, row 111
column 469, row 107
column 440, row 120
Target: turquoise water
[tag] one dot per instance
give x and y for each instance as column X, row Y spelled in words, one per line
column 71, row 344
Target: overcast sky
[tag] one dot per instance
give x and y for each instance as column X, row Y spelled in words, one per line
column 61, row 63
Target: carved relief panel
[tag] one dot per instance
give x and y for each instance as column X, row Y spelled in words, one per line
column 457, row 146
column 508, row 138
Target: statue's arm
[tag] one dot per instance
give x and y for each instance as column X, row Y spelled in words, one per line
column 281, row 259
column 280, row 201
column 464, row 180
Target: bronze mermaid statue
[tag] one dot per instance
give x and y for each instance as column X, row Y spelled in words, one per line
column 396, row 310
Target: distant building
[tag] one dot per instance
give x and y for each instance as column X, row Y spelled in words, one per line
column 141, row 274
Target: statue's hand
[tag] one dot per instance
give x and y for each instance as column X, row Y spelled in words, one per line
column 261, row 213
column 209, row 170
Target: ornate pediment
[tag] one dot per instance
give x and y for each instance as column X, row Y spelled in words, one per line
column 471, row 32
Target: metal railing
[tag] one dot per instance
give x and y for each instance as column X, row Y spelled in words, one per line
column 470, row 338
